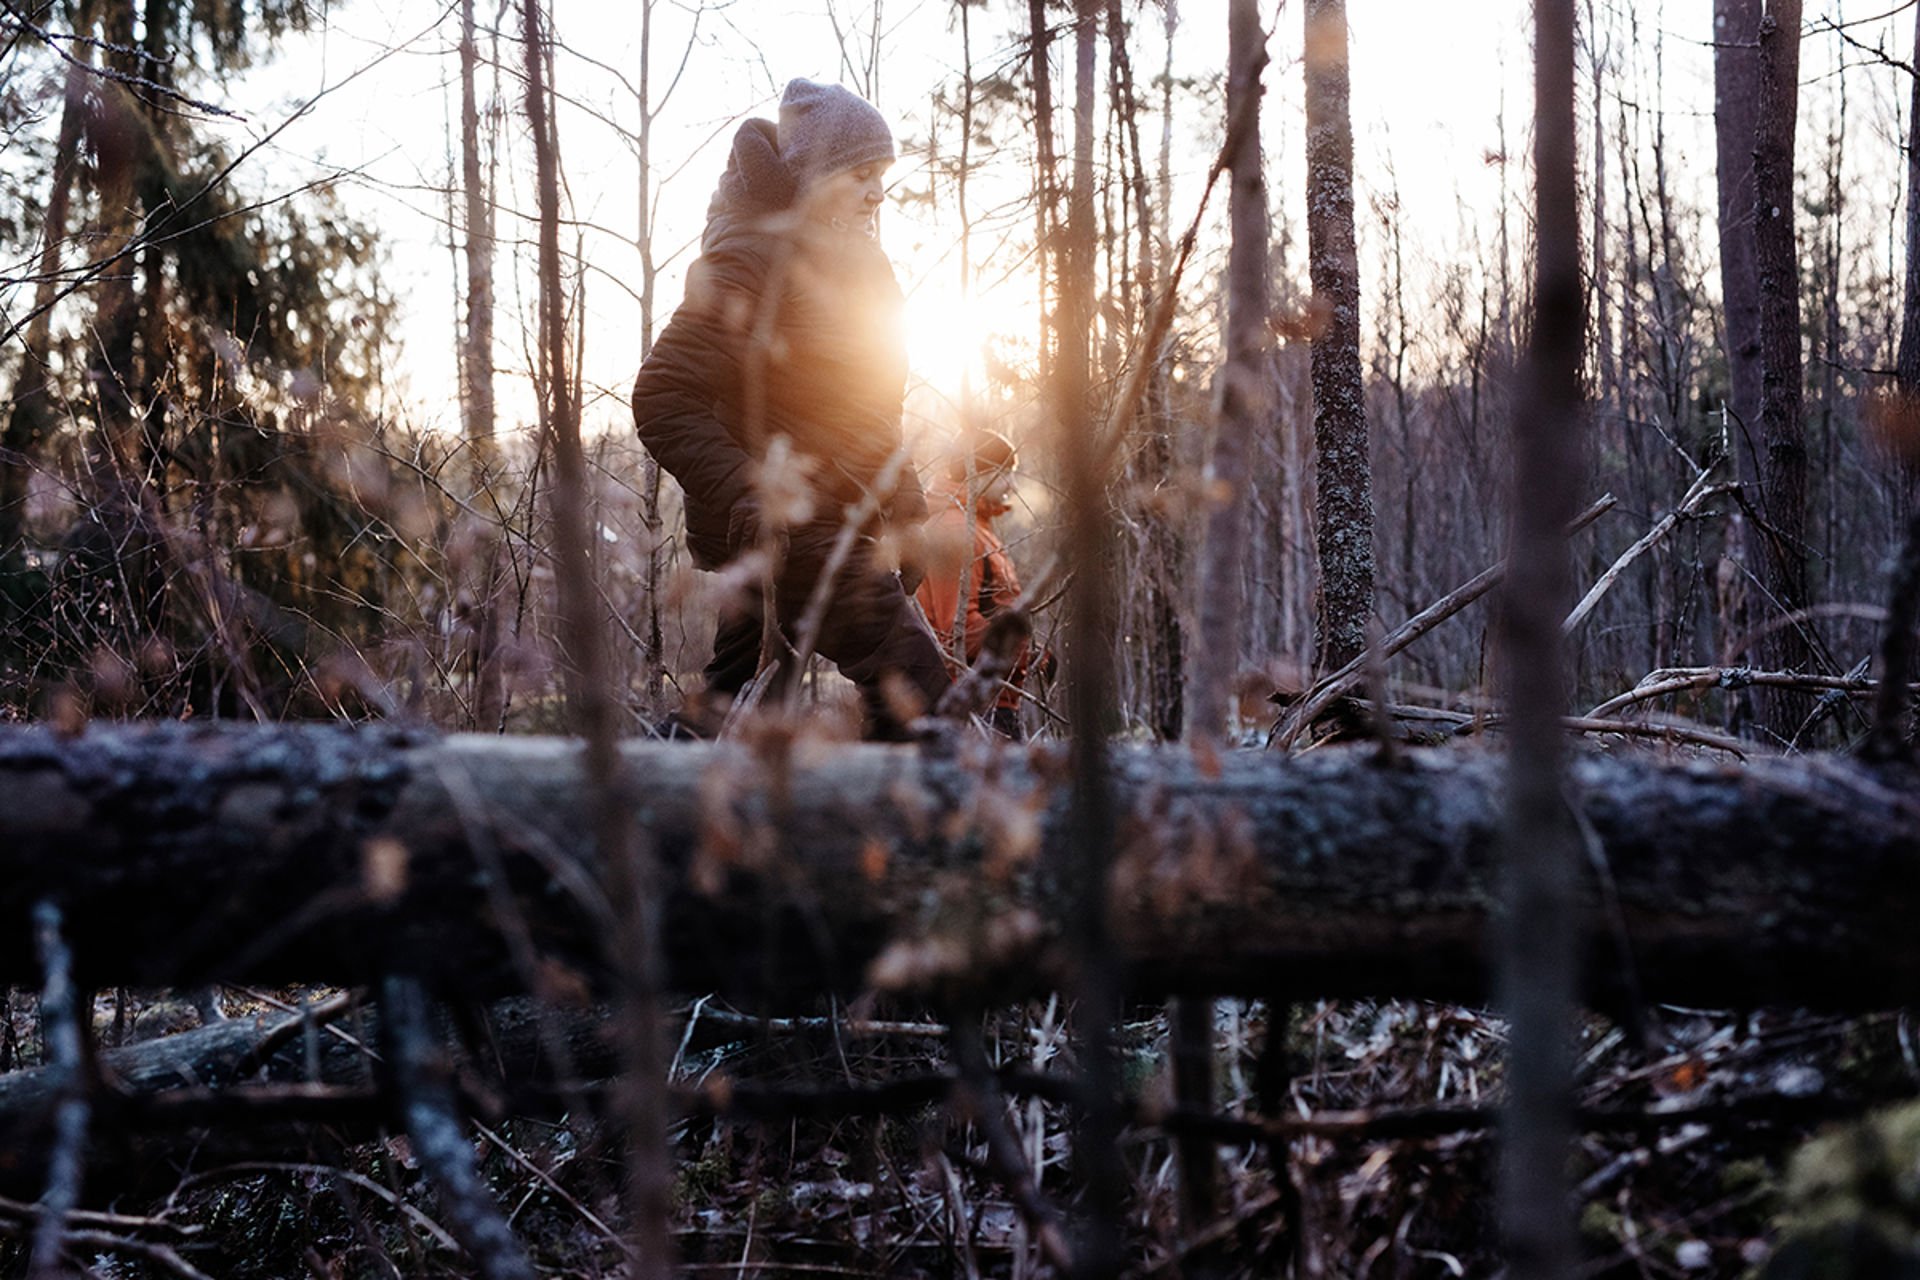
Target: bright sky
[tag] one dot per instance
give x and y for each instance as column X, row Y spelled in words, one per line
column 1430, row 83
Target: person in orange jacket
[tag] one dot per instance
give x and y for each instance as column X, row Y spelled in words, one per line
column 966, row 558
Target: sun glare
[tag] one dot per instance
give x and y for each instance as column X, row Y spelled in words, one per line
column 954, row 340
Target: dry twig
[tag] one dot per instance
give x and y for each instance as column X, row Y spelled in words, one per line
column 1331, row 688
column 1702, row 489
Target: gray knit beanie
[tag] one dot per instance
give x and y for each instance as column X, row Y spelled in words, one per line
column 825, row 128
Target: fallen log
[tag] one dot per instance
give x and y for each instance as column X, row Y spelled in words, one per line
column 193, row 853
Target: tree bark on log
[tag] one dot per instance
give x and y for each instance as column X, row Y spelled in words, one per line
column 193, row 853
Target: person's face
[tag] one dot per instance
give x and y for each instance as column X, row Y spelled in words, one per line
column 850, row 200
column 994, row 491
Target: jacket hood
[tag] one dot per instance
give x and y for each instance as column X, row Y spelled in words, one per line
column 756, row 183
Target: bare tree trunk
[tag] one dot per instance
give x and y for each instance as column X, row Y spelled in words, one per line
column 476, row 353
column 1783, row 491
column 960, row 177
column 112, row 135
column 30, row 418
column 1090, row 679
column 1244, row 380
column 630, row 880
column 1169, row 552
column 476, row 383
column 1736, row 86
column 152, row 329
column 956, row 637
column 1244, row 408
column 1540, row 850
column 1160, row 545
column 1039, row 55
column 1599, row 60
column 1907, row 361
column 1343, row 466
column 1831, row 222
column 653, row 656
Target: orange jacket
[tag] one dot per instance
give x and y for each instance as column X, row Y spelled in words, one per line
column 990, row 580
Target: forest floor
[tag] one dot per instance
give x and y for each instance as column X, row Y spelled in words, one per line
column 1695, row 1187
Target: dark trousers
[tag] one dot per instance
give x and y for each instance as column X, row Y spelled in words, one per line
column 869, row 629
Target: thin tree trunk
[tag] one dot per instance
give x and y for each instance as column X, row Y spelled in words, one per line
column 30, row 417
column 1783, row 491
column 153, row 328
column 1244, row 381
column 1832, row 328
column 1162, row 547
column 1673, row 366
column 1537, row 952
column 653, row 656
column 476, row 382
column 476, row 352
column 965, row 245
column 956, row 638
column 111, row 129
column 1090, row 681
column 1243, row 411
column 1907, row 360
column 629, row 875
column 1040, row 59
column 1343, row 467
column 1736, row 79
column 1598, row 59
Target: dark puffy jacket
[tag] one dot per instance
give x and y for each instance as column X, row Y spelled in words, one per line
column 808, row 317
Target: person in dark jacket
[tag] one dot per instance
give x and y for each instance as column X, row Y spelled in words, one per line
column 774, row 394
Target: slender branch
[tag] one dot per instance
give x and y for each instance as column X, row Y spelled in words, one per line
column 1629, row 728
column 977, row 1096
column 1701, row 490
column 52, row 41
column 360, row 1182
column 163, row 1256
column 60, row 1025
column 1680, row 679
column 1332, row 687
column 421, row 1079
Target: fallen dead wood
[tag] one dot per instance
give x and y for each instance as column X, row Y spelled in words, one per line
column 1335, row 685
column 265, row 1083
column 189, row 853
column 166, row 1130
column 1672, row 680
column 293, row 1067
